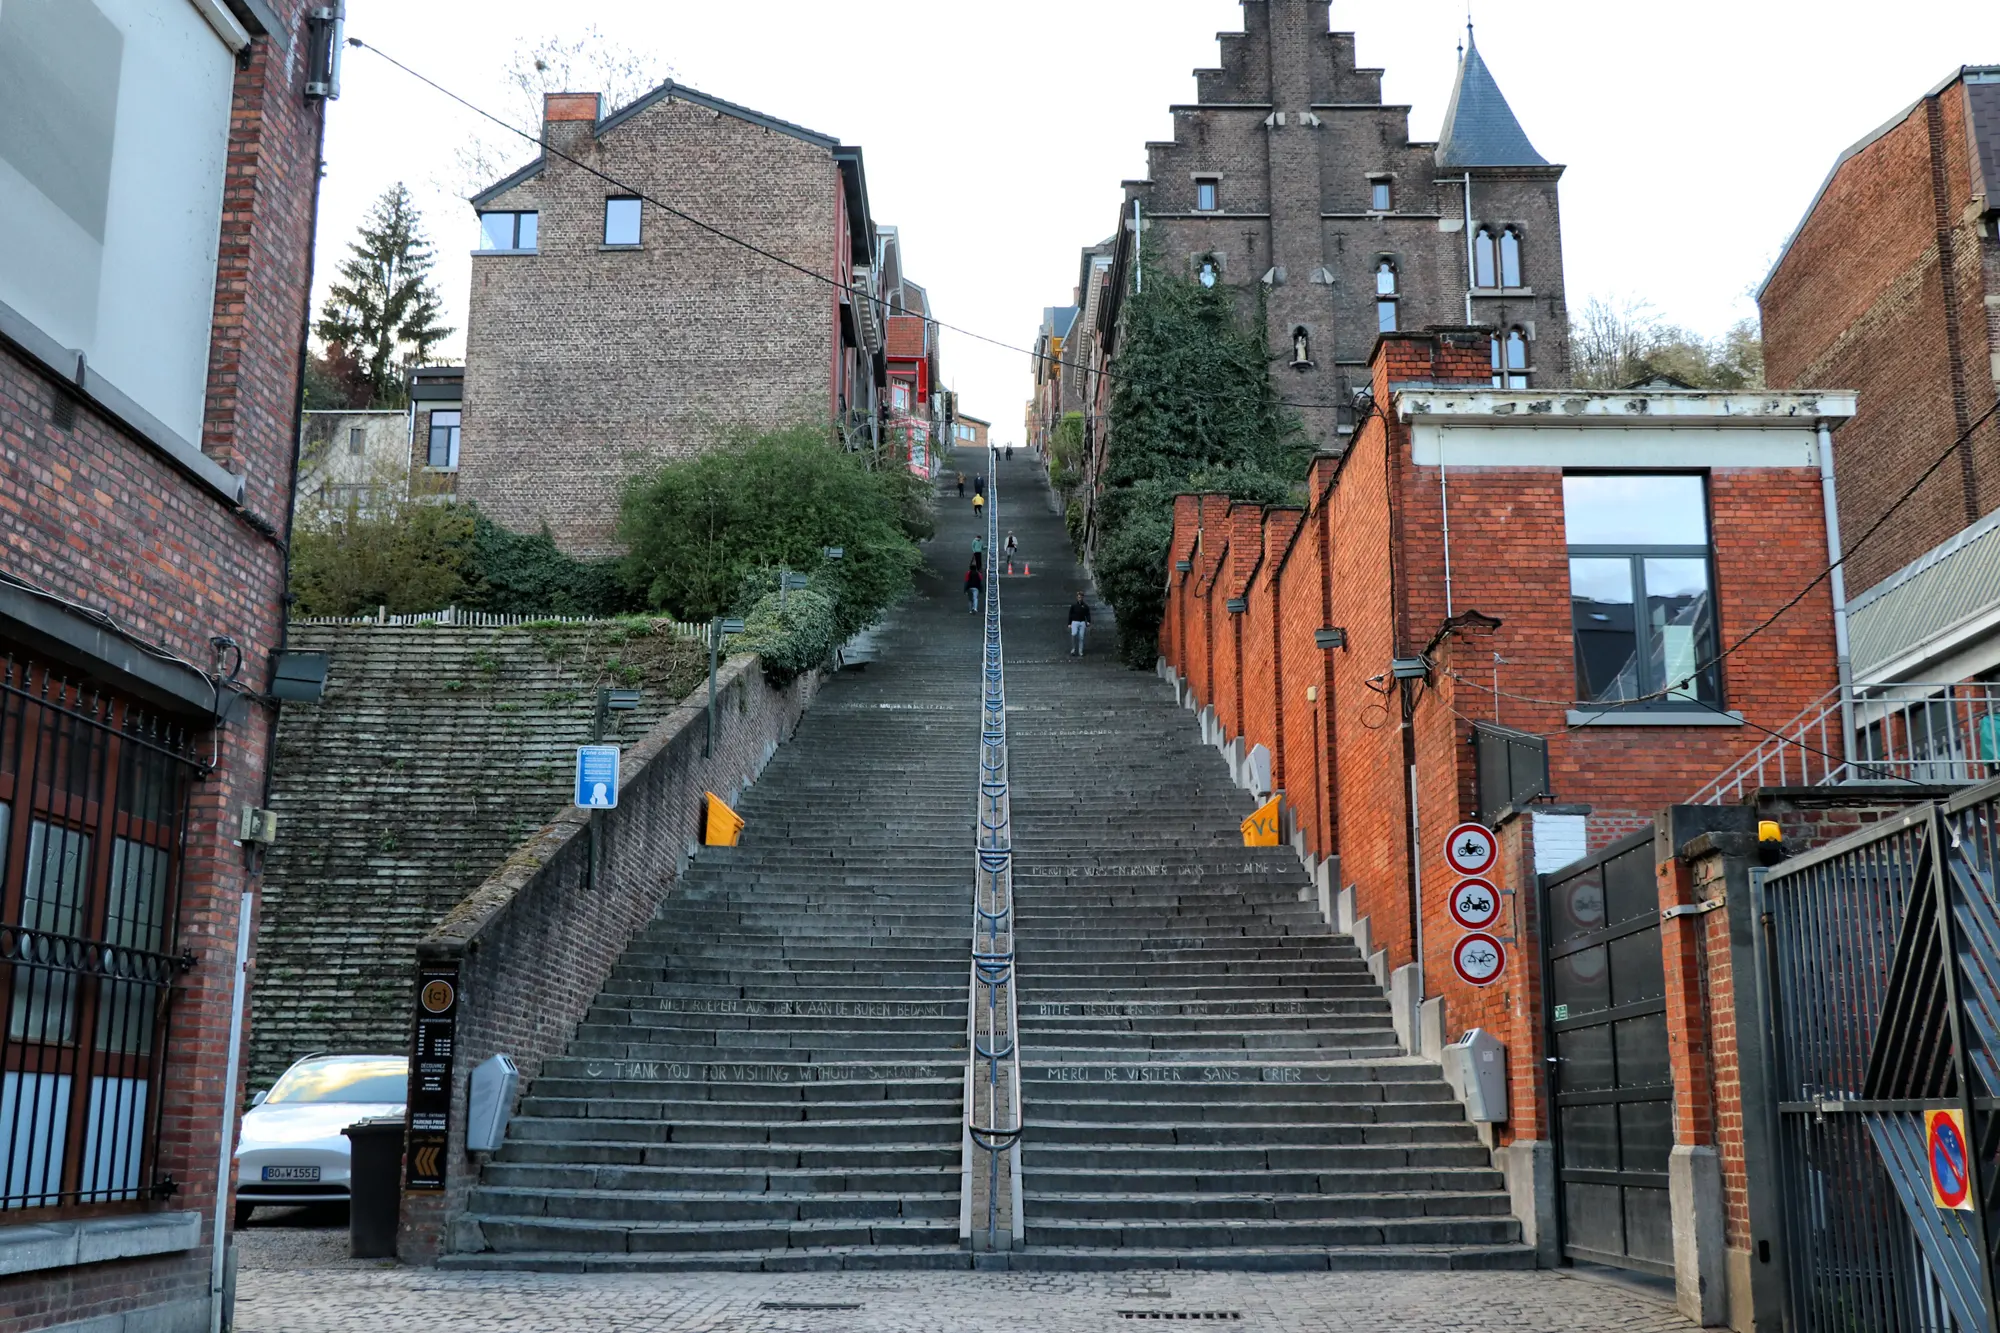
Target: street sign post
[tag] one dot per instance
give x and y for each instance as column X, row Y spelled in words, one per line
column 1479, row 959
column 1474, row 904
column 1471, row 849
column 597, row 777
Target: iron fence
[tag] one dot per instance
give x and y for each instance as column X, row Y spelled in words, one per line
column 1880, row 963
column 1914, row 731
column 993, row 1068
column 93, row 798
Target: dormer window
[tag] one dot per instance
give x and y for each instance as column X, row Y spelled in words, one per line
column 1381, row 194
column 1207, row 195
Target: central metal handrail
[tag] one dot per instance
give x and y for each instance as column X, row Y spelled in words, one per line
column 992, row 1065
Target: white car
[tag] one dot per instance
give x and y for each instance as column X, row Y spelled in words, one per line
column 291, row 1150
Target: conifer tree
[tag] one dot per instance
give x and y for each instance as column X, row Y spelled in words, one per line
column 383, row 312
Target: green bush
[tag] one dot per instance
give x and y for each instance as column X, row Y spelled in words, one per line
column 412, row 555
column 794, row 639
column 403, row 554
column 699, row 527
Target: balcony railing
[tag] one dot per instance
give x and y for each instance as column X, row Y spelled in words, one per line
column 1916, row 732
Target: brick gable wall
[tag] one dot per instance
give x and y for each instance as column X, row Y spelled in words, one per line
column 1859, row 302
column 586, row 366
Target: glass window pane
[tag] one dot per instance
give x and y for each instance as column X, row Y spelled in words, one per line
column 1385, row 316
column 1517, row 350
column 1510, row 258
column 1204, row 196
column 1483, row 259
column 496, row 231
column 1607, row 640
column 621, row 221
column 1634, row 510
column 1380, row 192
column 444, row 439
column 52, row 889
column 1681, row 616
column 525, row 235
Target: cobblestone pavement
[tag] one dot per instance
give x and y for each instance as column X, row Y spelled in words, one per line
column 300, row 1281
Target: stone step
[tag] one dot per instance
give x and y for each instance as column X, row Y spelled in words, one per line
column 1152, row 1234
column 789, row 1259
column 1054, row 1256
column 722, row 1206
column 604, row 1237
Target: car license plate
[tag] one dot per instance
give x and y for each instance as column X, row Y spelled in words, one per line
column 296, row 1173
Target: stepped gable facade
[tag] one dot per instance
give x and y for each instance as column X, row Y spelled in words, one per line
column 1290, row 172
column 606, row 335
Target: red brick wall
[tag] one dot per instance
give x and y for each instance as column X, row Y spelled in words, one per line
column 92, row 513
column 1859, row 302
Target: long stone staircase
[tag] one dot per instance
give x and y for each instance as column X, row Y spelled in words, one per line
column 773, row 1077
column 1210, row 1075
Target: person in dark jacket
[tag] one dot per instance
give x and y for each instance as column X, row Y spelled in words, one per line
column 1079, row 621
column 975, row 579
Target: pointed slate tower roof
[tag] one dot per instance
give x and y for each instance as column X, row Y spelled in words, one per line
column 1479, row 127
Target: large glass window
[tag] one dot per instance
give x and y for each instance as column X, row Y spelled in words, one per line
column 1641, row 605
column 1510, row 360
column 1381, row 195
column 444, row 440
column 1386, row 292
column 508, row 231
column 1207, row 196
column 621, row 221
column 1510, row 258
column 1485, row 259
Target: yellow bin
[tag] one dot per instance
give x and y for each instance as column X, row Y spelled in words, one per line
column 1261, row 829
column 723, row 826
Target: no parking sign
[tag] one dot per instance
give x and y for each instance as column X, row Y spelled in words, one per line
column 1950, row 1163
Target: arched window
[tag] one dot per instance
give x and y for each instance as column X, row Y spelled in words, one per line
column 1301, row 347
column 1485, row 259
column 1510, row 360
column 1510, row 258
column 1385, row 296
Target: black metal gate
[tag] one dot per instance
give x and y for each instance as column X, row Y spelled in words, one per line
column 1610, row 1081
column 1880, row 962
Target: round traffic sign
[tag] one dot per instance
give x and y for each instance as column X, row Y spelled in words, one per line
column 1474, row 904
column 1479, row 959
column 1951, row 1178
column 1471, row 849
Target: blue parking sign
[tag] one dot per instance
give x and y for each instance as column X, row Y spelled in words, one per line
column 597, row 777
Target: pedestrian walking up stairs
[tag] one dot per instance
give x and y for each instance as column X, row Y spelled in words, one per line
column 774, row 1076
column 1209, row 1074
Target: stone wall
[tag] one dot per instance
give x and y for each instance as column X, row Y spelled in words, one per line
column 535, row 943
column 436, row 751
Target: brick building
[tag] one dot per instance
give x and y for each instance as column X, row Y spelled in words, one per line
column 1891, row 287
column 437, row 413
column 915, row 409
column 352, row 458
column 606, row 335
column 1397, row 657
column 1289, row 173
column 153, row 306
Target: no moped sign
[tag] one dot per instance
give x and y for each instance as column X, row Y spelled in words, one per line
column 1474, row 904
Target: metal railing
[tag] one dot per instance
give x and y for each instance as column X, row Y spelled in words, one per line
column 93, row 798
column 460, row 618
column 992, row 1065
column 1917, row 732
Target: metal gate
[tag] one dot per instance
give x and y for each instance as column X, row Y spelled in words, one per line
column 1610, row 1081
column 1880, row 963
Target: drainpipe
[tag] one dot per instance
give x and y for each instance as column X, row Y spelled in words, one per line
column 1830, row 498
column 1471, row 264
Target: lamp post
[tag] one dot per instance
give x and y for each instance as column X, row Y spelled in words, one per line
column 608, row 702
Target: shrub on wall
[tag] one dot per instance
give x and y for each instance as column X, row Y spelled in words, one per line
column 1192, row 408
column 793, row 633
column 413, row 555
column 700, row 527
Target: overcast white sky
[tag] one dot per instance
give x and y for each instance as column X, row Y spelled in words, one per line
column 996, row 135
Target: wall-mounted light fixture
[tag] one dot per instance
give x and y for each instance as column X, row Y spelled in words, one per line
column 1238, row 605
column 1184, row 566
column 1409, row 668
column 1330, row 637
